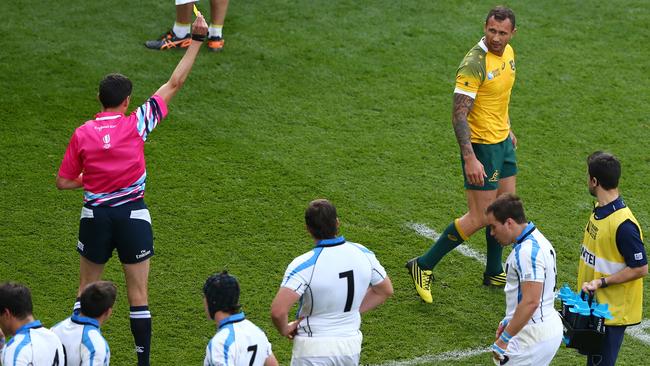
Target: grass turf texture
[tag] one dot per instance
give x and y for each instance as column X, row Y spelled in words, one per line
column 346, row 100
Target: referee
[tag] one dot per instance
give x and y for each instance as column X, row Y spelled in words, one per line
column 105, row 156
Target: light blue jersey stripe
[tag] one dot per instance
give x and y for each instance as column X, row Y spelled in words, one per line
column 210, row 363
column 533, row 255
column 229, row 341
column 308, row 263
column 27, row 340
column 88, row 343
column 362, row 248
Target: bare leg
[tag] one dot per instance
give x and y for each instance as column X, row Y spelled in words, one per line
column 474, row 219
column 494, row 264
column 507, row 185
column 137, row 280
column 184, row 13
column 218, row 9
column 89, row 272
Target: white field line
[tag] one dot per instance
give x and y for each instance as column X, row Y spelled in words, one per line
column 639, row 331
column 429, row 233
column 445, row 356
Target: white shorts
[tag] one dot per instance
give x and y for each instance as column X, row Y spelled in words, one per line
column 326, row 351
column 536, row 344
column 182, row 2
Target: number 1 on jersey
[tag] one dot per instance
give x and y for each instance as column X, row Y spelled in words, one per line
column 348, row 301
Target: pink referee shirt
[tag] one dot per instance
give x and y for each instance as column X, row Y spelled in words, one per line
column 109, row 150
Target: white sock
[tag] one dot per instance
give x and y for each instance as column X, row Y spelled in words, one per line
column 181, row 30
column 215, row 30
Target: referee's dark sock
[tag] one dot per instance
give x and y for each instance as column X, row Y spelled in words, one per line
column 76, row 308
column 493, row 264
column 448, row 240
column 141, row 330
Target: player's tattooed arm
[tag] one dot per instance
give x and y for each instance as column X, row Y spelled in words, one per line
column 462, row 106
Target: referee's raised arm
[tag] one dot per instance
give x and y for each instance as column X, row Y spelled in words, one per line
column 175, row 82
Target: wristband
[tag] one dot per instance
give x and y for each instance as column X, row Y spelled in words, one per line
column 198, row 37
column 505, row 337
column 498, row 350
column 603, row 283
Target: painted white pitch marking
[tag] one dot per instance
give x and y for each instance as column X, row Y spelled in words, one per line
column 638, row 331
column 429, row 233
column 445, row 356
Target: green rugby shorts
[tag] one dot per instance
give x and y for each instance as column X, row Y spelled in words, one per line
column 499, row 161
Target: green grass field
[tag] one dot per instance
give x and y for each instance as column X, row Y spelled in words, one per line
column 348, row 100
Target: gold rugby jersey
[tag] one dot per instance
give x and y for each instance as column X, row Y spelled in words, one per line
column 488, row 79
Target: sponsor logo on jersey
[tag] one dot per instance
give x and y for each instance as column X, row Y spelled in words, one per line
column 592, row 230
column 587, row 257
column 80, row 245
column 100, row 128
column 638, row 256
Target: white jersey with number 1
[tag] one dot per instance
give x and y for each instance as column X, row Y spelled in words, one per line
column 332, row 280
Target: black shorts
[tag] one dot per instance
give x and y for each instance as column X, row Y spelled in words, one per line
column 126, row 228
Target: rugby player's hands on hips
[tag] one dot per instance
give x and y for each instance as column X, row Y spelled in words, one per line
column 292, row 328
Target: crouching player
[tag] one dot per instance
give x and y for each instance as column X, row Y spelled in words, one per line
column 31, row 343
column 80, row 334
column 238, row 341
column 531, row 332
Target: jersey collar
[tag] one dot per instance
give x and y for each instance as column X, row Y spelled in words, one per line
column 526, row 232
column 330, row 242
column 25, row 328
column 600, row 212
column 482, row 44
column 103, row 116
column 232, row 319
column 84, row 320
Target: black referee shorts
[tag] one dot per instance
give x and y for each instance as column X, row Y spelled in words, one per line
column 126, row 228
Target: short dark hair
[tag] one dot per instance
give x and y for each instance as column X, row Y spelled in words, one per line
column 221, row 292
column 606, row 168
column 507, row 206
column 97, row 298
column 320, row 217
column 17, row 298
column 501, row 13
column 113, row 89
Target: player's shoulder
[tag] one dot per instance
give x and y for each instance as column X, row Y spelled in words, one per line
column 474, row 58
column 360, row 247
column 60, row 325
column 42, row 337
column 94, row 334
column 306, row 257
